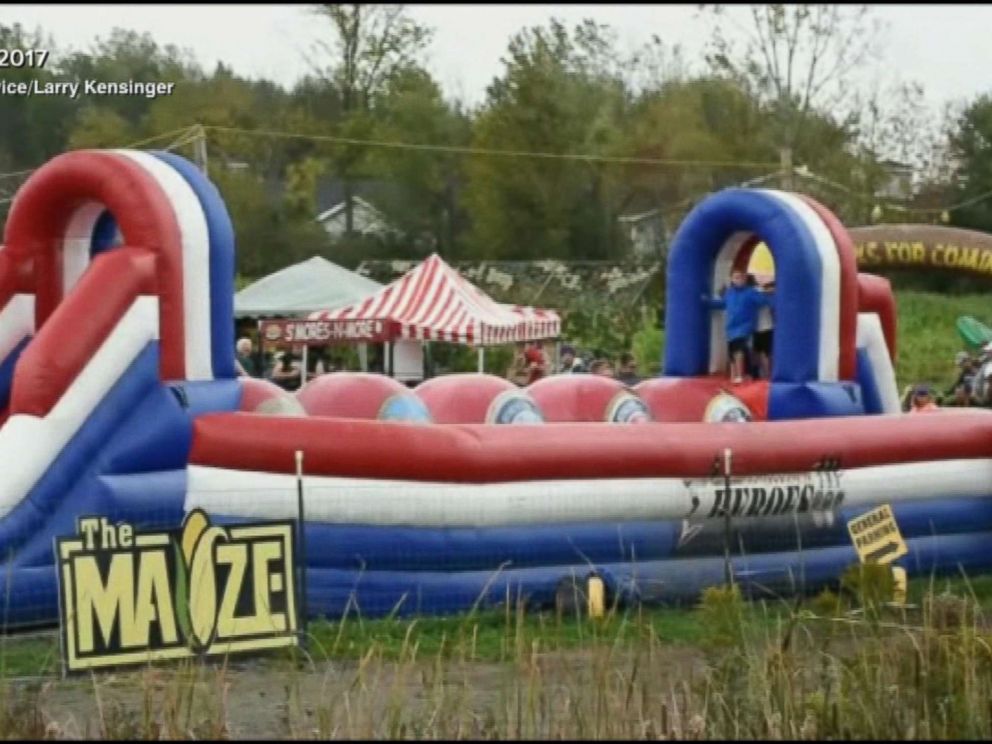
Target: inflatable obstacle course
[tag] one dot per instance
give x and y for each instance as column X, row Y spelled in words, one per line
column 118, row 398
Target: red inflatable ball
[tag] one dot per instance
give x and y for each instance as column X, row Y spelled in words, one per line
column 588, row 398
column 358, row 395
column 710, row 399
column 477, row 399
column 262, row 396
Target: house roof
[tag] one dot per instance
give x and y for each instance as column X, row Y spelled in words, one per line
column 339, row 208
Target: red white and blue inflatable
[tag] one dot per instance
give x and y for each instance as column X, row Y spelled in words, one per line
column 118, row 397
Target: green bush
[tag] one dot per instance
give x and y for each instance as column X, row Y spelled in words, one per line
column 721, row 614
column 871, row 584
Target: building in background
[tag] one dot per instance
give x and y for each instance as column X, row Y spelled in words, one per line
column 646, row 233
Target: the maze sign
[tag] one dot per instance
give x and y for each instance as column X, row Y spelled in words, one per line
column 129, row 598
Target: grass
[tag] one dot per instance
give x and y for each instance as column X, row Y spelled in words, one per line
column 927, row 338
column 830, row 667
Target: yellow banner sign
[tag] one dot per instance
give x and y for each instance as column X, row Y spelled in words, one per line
column 876, row 536
column 128, row 598
column 923, row 246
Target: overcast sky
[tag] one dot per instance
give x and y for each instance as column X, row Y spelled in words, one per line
column 945, row 47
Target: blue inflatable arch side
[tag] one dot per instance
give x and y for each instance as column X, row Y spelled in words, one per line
column 806, row 289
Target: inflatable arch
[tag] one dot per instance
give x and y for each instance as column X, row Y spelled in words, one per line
column 817, row 369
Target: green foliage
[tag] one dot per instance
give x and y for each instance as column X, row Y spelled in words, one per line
column 871, row 584
column 927, row 338
column 554, row 97
column 722, row 615
column 970, row 146
column 827, row 604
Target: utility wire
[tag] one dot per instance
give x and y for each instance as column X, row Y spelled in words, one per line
column 868, row 198
column 183, row 131
column 459, row 150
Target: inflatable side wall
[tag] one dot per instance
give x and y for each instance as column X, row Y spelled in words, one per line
column 412, row 518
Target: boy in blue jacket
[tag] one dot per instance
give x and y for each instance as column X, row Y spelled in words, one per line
column 741, row 304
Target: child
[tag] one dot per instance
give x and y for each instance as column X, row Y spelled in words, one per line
column 741, row 304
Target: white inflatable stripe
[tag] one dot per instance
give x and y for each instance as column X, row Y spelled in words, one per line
column 829, row 286
column 77, row 243
column 29, row 444
column 386, row 502
column 196, row 262
column 16, row 322
column 871, row 338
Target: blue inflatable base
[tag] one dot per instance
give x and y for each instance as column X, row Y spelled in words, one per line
column 788, row 400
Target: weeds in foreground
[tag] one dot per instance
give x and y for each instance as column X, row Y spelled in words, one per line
column 845, row 665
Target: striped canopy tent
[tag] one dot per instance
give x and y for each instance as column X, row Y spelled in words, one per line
column 433, row 302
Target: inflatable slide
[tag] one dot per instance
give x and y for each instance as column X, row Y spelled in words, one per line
column 118, row 398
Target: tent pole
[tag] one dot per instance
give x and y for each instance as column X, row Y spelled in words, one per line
column 557, row 354
column 391, row 359
column 303, row 372
column 482, row 359
column 363, row 356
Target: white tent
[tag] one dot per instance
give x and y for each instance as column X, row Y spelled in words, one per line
column 300, row 289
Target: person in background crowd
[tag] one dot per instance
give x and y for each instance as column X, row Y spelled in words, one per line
column 907, row 398
column 980, row 387
column 627, row 370
column 959, row 393
column 244, row 359
column 537, row 363
column 518, row 373
column 601, row 367
column 286, row 373
column 923, row 401
column 570, row 363
column 741, row 304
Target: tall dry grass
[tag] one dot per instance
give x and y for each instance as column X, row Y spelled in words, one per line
column 831, row 668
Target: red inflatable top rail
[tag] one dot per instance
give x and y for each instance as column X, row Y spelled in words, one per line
column 476, row 453
column 64, row 346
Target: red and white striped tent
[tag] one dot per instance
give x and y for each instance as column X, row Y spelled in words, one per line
column 433, row 302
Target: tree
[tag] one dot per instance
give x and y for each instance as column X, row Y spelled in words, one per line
column 557, row 96
column 128, row 55
column 422, row 202
column 971, row 147
column 32, row 128
column 797, row 59
column 368, row 44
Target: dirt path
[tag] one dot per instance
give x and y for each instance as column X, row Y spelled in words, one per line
column 266, row 698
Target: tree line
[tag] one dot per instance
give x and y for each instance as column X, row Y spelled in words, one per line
column 575, row 131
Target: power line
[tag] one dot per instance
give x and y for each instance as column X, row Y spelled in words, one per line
column 871, row 199
column 460, row 150
column 133, row 145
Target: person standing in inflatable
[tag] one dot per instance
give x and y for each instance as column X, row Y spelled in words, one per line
column 741, row 304
column 762, row 341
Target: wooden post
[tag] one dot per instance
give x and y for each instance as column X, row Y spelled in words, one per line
column 728, row 571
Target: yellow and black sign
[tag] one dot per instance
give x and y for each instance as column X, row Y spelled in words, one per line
column 128, row 598
column 876, row 536
column 923, row 246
